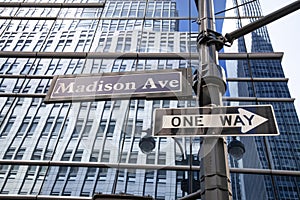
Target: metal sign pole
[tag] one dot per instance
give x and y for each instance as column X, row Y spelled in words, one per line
column 214, row 170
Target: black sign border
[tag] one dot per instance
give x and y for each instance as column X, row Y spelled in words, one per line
column 184, row 94
column 224, row 131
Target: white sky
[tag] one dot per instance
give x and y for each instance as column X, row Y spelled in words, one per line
column 284, row 37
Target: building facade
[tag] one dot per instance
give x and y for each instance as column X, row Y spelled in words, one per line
column 79, row 149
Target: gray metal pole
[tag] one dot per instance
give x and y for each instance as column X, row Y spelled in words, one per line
column 214, row 170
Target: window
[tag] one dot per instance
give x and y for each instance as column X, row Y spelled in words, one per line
column 4, row 67
column 102, row 174
column 94, row 156
column 107, row 45
column 124, row 157
column 23, row 126
column 87, row 128
column 73, row 173
column 131, row 175
column 78, row 155
column 2, row 88
column 20, row 101
column 93, row 105
column 150, row 158
column 57, row 127
column 42, row 172
column 67, row 193
column 22, row 45
column 8, row 126
column 9, row 153
column 13, row 172
column 156, row 104
column 111, row 128
column 39, row 89
column 91, row 174
column 101, row 128
column 121, row 175
column 162, row 158
column 62, row 173
column 117, row 104
column 47, row 127
column 77, row 128
column 35, row 101
column 17, row 89
column 128, row 129
column 6, row 46
column 37, row 154
column 48, row 154
column 30, row 172
column 162, row 176
column 133, row 157
column 127, row 44
column 20, row 154
column 141, row 103
column 3, row 170
column 64, row 129
column 119, row 44
column 149, row 176
column 138, row 128
column 105, row 156
column 33, row 126
column 67, row 155
column 132, row 105
column 166, row 103
column 83, row 106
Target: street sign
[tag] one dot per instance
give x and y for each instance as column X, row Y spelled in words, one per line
column 216, row 121
column 158, row 84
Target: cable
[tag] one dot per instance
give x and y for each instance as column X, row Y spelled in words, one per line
column 217, row 13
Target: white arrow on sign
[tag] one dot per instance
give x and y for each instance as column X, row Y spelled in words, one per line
column 245, row 119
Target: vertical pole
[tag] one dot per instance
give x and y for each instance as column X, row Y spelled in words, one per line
column 214, row 170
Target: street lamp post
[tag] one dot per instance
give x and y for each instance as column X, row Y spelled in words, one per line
column 214, row 170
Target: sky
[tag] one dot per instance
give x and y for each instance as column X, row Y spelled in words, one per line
column 284, row 37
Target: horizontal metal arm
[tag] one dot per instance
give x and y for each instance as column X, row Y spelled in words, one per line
column 230, row 37
column 237, row 79
column 275, row 172
column 238, row 99
column 131, row 55
column 51, row 5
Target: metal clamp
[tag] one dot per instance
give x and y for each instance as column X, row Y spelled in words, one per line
column 210, row 37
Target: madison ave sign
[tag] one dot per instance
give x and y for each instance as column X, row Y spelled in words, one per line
column 160, row 84
column 216, row 121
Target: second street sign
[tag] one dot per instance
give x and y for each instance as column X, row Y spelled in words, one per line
column 159, row 84
column 216, row 121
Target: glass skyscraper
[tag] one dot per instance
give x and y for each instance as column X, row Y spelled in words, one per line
column 79, row 149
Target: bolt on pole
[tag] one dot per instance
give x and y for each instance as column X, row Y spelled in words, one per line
column 214, row 170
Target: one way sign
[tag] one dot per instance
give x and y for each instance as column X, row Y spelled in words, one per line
column 216, row 121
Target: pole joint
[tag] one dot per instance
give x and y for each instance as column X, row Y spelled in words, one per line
column 210, row 37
